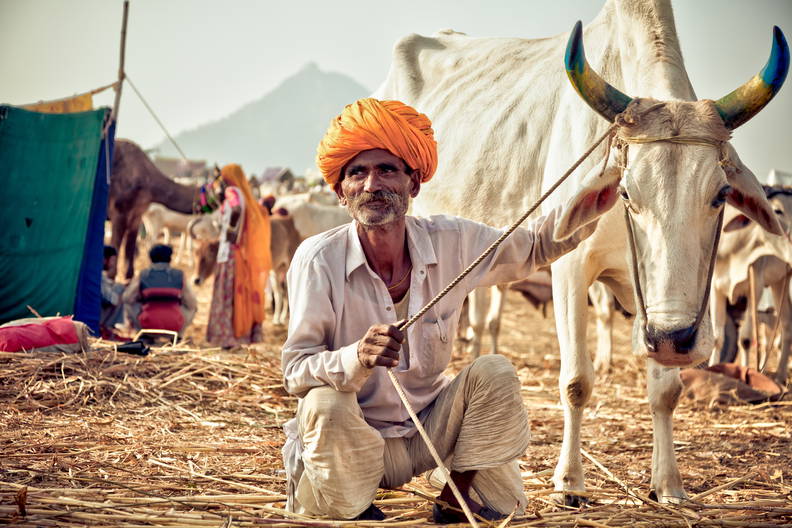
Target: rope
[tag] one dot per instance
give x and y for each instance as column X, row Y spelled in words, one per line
column 400, row 391
column 154, row 115
column 608, row 133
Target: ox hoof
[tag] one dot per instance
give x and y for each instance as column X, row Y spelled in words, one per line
column 669, row 497
column 575, row 501
column 569, row 499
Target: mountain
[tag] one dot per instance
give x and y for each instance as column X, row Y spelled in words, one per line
column 282, row 128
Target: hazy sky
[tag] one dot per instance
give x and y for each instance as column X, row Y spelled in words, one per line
column 197, row 60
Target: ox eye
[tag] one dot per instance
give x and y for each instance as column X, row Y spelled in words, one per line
column 720, row 199
column 779, row 212
column 623, row 194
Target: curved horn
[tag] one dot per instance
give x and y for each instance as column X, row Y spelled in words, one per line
column 606, row 100
column 744, row 102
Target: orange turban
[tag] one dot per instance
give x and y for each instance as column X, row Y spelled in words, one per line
column 370, row 124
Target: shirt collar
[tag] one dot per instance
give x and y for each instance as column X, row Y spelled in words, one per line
column 418, row 241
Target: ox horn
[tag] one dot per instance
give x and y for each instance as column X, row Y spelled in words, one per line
column 746, row 101
column 606, row 100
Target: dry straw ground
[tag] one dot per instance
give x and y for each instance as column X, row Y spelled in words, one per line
column 191, row 437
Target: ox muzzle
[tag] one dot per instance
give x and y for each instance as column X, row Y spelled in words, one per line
column 671, row 348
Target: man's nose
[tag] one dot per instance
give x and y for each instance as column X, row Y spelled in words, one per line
column 372, row 182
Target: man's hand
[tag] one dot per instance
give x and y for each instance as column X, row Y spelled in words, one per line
column 380, row 346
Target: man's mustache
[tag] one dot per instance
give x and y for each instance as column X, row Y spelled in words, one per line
column 389, row 197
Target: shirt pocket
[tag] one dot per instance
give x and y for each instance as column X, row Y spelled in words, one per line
column 435, row 351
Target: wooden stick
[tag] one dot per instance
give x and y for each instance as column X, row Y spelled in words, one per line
column 121, row 73
column 439, row 461
column 720, row 488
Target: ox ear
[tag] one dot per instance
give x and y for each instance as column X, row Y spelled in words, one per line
column 738, row 222
column 748, row 196
column 597, row 196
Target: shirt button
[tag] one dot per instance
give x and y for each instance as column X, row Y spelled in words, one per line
column 388, row 308
column 422, row 272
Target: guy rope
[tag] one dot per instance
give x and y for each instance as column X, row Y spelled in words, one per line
column 622, row 120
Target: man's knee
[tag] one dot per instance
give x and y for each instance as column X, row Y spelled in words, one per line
column 328, row 407
column 495, row 369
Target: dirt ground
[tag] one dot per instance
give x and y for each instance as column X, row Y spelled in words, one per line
column 191, row 437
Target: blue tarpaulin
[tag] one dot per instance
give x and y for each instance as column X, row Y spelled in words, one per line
column 87, row 305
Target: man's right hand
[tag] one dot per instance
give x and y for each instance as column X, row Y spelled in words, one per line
column 380, row 346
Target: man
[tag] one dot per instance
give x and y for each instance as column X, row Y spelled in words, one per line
column 158, row 298
column 348, row 287
column 112, row 312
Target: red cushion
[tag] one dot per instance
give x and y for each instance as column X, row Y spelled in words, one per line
column 59, row 331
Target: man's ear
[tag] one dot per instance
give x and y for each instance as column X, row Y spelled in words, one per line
column 597, row 196
column 415, row 181
column 340, row 193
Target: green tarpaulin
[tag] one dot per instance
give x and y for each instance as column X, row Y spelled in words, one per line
column 47, row 169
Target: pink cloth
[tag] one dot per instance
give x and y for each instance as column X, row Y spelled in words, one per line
column 56, row 331
column 232, row 197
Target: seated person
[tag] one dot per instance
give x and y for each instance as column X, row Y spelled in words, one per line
column 349, row 286
column 159, row 298
column 112, row 307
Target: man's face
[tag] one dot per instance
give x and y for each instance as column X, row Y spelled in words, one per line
column 376, row 187
column 110, row 265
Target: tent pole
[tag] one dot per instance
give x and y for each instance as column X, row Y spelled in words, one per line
column 121, row 73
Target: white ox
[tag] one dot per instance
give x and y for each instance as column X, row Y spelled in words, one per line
column 745, row 245
column 311, row 218
column 508, row 124
column 159, row 220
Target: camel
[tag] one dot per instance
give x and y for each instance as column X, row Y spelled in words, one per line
column 134, row 184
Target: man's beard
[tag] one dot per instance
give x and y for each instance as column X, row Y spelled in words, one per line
column 387, row 207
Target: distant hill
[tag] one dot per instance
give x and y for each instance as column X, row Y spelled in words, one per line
column 282, row 128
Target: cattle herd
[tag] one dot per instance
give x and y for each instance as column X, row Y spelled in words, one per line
column 671, row 166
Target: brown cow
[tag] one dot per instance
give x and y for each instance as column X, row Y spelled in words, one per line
column 284, row 240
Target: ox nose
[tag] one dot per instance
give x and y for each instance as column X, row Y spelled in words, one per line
column 681, row 341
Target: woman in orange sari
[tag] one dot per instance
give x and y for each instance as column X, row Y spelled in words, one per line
column 243, row 264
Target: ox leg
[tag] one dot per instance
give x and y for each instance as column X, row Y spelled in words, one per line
column 785, row 313
column 604, row 310
column 477, row 310
column 664, row 387
column 718, row 317
column 576, row 378
column 285, row 296
column 497, row 300
column 277, row 296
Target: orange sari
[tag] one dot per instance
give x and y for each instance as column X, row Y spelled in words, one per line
column 252, row 256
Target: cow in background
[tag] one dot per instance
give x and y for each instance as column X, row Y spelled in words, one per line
column 284, row 240
column 745, row 245
column 312, row 218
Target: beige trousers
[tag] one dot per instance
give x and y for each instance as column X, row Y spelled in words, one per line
column 478, row 422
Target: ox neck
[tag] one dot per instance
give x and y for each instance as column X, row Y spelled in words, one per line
column 640, row 40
